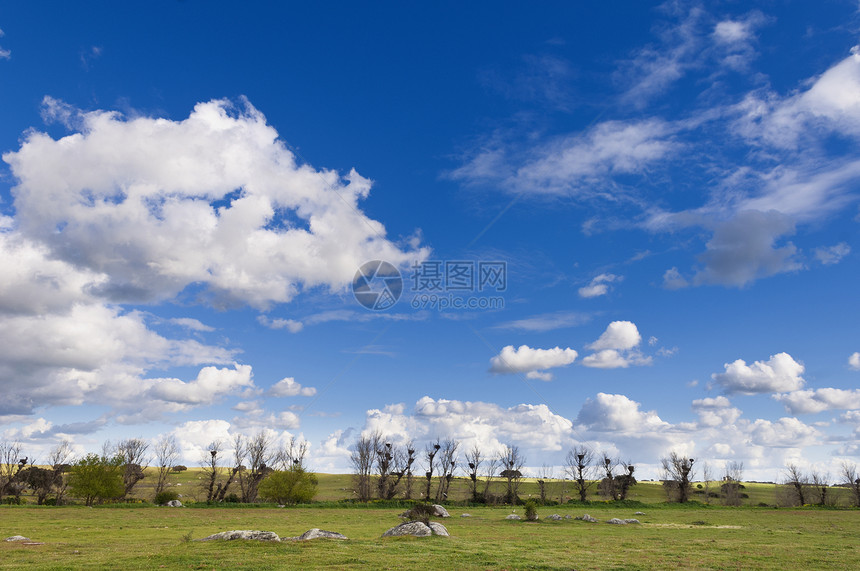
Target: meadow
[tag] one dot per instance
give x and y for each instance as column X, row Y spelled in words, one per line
column 691, row 536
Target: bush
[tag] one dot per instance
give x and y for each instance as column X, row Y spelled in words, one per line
column 232, row 499
column 97, row 477
column 179, row 468
column 421, row 512
column 165, row 496
column 531, row 510
column 291, row 486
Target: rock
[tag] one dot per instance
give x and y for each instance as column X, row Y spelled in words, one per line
column 587, row 518
column 174, row 504
column 440, row 511
column 568, row 516
column 465, row 515
column 554, row 517
column 416, row 529
column 317, row 533
column 513, row 516
column 639, row 513
column 616, row 521
column 17, row 538
column 632, row 521
column 249, row 534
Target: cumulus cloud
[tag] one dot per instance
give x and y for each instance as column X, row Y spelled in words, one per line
column 784, row 433
column 817, row 400
column 617, row 413
column 215, row 199
column 290, row 325
column 288, row 387
column 599, row 285
column 211, row 383
column 672, row 279
column 780, row 373
column 617, row 347
column 854, row 361
column 743, row 249
column 714, row 412
column 533, row 362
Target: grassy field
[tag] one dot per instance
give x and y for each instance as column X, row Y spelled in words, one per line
column 696, row 537
column 692, row 536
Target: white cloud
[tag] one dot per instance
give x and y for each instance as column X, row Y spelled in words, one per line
column 4, row 53
column 714, row 412
column 816, row 400
column 599, row 285
column 288, row 387
column 533, row 362
column 192, row 324
column 781, row 373
column 547, row 321
column 784, row 433
column 833, row 254
column 215, row 199
column 211, row 384
column 854, row 361
column 672, row 279
column 616, row 347
column 617, row 413
column 290, row 325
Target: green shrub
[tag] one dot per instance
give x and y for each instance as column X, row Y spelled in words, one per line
column 531, row 510
column 421, row 512
column 293, row 486
column 95, row 477
column 165, row 496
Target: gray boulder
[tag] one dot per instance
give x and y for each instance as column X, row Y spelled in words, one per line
column 174, row 504
column 587, row 518
column 513, row 516
column 416, row 529
column 249, row 534
column 632, row 521
column 639, row 513
column 316, row 533
column 440, row 511
column 554, row 517
column 17, row 538
column 465, row 515
column 616, row 521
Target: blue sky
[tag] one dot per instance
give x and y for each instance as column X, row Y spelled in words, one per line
column 188, row 190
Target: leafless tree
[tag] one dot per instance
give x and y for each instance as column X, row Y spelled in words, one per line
column 474, row 458
column 10, row 464
column 291, row 454
column 606, row 488
column 730, row 489
column 166, row 456
column 820, row 486
column 852, row 481
column 134, row 462
column 210, row 462
column 511, row 461
column 544, row 481
column 430, row 453
column 256, row 451
column 579, row 467
column 706, row 481
column 447, row 465
column 677, row 473
column 797, row 482
column 60, row 458
column 491, row 465
column 363, row 458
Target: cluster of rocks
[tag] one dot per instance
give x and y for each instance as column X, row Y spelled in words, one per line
column 256, row 535
column 417, row 529
column 614, row 521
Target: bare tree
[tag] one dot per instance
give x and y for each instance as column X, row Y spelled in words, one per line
column 820, row 486
column 606, row 488
column 677, row 473
column 625, row 480
column 474, row 458
column 447, row 465
column 291, row 454
column 511, row 461
column 363, row 458
column 166, row 456
column 134, row 462
column 579, row 468
column 491, row 466
column 210, row 462
column 60, row 458
column 544, row 482
column 849, row 472
column 706, row 481
column 11, row 462
column 730, row 489
column 797, row 483
column 430, row 453
column 256, row 452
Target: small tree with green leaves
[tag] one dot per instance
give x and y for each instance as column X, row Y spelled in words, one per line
column 292, row 486
column 97, row 478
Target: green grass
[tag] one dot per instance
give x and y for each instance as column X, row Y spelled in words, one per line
column 688, row 537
